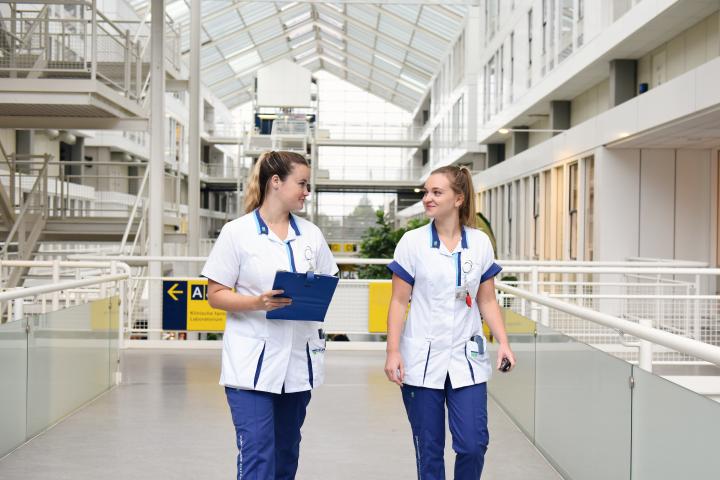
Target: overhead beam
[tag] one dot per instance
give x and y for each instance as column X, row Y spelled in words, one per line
column 335, row 63
column 393, row 76
column 355, row 43
column 264, row 62
column 407, row 22
column 374, row 31
column 250, row 48
column 215, row 14
column 230, row 35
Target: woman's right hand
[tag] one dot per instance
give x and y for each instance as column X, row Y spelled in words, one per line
column 394, row 369
column 268, row 301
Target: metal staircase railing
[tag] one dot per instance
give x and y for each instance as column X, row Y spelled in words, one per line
column 38, row 44
column 31, row 212
column 7, row 210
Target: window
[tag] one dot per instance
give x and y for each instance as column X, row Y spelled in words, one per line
column 559, row 191
column 573, row 210
column 458, row 122
column 567, row 19
column 580, row 21
column 490, row 88
column 492, row 18
column 530, row 48
column 536, row 215
column 547, row 215
column 510, row 225
column 589, row 207
column 501, row 79
column 511, row 83
column 458, row 60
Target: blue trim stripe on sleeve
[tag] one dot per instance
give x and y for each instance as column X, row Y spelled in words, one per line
column 491, row 272
column 398, row 270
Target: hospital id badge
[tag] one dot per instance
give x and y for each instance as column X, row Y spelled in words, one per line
column 460, row 293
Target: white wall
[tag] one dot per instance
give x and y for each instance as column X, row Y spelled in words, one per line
column 693, row 206
column 590, row 103
column 657, row 203
column 690, row 49
column 617, row 203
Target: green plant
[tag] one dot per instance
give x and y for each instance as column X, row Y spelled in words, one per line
column 380, row 242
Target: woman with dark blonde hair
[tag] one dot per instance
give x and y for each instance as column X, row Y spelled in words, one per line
column 268, row 366
column 439, row 355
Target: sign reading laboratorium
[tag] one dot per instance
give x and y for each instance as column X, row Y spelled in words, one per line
column 185, row 307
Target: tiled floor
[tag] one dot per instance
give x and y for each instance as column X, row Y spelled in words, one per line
column 169, row 420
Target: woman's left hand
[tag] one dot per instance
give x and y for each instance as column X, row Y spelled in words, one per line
column 504, row 351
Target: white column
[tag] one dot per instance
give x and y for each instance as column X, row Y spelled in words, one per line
column 157, row 163
column 193, row 233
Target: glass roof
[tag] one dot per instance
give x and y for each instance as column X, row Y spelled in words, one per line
column 391, row 50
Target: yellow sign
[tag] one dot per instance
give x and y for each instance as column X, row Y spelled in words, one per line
column 200, row 315
column 379, row 294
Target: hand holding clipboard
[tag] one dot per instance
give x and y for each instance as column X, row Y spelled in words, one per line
column 310, row 292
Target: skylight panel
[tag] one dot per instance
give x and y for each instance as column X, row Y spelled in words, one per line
column 247, row 61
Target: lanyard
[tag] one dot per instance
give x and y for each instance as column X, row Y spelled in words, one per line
column 458, row 262
column 461, row 268
column 291, row 257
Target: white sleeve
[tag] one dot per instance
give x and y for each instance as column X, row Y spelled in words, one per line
column 325, row 259
column 223, row 263
column 403, row 264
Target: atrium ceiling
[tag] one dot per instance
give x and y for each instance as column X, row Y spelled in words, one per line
column 391, row 50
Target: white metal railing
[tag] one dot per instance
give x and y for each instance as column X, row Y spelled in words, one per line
column 88, row 46
column 227, row 130
column 677, row 307
column 386, row 171
column 86, row 189
column 61, row 284
column 226, row 171
column 369, row 131
column 139, row 199
column 688, row 346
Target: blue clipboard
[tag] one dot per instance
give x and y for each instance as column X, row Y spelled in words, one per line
column 310, row 292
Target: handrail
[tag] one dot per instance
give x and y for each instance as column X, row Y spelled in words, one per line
column 33, row 26
column 661, row 268
column 678, row 343
column 138, row 197
column 56, row 287
column 39, row 181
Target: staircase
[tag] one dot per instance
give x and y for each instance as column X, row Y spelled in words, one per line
column 24, row 208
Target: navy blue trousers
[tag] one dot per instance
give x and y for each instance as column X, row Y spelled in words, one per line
column 467, row 415
column 267, row 429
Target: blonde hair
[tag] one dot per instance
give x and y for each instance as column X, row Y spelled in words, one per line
column 462, row 184
column 269, row 164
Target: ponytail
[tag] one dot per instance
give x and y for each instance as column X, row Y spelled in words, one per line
column 462, row 184
column 268, row 165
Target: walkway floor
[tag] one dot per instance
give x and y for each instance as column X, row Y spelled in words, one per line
column 169, row 420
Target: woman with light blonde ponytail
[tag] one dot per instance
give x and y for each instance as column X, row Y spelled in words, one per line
column 439, row 354
column 268, row 366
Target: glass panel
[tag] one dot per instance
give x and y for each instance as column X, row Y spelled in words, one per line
column 68, row 361
column 516, row 391
column 13, row 376
column 583, row 408
column 674, row 430
column 114, row 342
